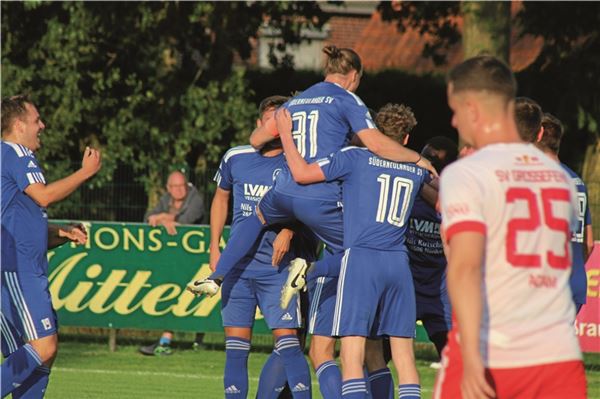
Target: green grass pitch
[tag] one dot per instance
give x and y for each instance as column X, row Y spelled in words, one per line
column 89, row 370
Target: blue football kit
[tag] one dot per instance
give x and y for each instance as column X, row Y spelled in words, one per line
column 378, row 196
column 254, row 281
column 578, row 280
column 428, row 267
column 27, row 311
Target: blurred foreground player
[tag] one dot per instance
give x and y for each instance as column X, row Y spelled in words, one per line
column 506, row 213
column 28, row 321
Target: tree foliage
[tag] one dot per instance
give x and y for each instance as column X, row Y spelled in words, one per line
column 152, row 84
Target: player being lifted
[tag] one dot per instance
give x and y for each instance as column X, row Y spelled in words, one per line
column 248, row 173
column 506, row 212
column 378, row 196
column 326, row 116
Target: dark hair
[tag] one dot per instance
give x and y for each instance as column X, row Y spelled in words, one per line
column 553, row 132
column 270, row 102
column 484, row 73
column 13, row 108
column 341, row 60
column 528, row 116
column 395, row 121
column 440, row 151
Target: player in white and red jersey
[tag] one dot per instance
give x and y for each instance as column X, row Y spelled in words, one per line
column 507, row 211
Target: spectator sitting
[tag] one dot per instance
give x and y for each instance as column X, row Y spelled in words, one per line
column 181, row 204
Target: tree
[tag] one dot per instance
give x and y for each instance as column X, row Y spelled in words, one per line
column 153, row 84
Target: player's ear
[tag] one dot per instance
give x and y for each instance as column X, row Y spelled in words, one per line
column 259, row 123
column 540, row 135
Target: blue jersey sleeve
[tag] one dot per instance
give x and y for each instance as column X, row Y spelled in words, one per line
column 588, row 215
column 338, row 166
column 223, row 176
column 356, row 113
column 25, row 171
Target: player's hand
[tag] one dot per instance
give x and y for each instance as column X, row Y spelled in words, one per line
column 215, row 255
column 424, row 163
column 92, row 161
column 74, row 232
column 284, row 121
column 281, row 245
column 474, row 384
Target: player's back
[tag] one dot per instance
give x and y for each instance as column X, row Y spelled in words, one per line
column 378, row 197
column 523, row 202
column 324, row 118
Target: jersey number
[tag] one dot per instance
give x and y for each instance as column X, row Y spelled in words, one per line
column 582, row 202
column 533, row 222
column 299, row 134
column 397, row 204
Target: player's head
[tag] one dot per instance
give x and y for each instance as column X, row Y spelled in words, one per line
column 267, row 107
column 177, row 185
column 553, row 132
column 480, row 89
column 396, row 121
column 440, row 151
column 343, row 61
column 21, row 121
column 528, row 116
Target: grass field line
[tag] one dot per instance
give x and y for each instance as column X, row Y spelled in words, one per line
column 197, row 376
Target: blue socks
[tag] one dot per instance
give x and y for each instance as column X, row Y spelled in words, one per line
column 354, row 389
column 164, row 341
column 235, row 379
column 272, row 377
column 35, row 386
column 296, row 368
column 330, row 380
column 409, row 391
column 329, row 266
column 238, row 246
column 382, row 384
column 17, row 367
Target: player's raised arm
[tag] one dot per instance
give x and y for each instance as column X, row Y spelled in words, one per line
column 302, row 172
column 45, row 195
column 387, row 148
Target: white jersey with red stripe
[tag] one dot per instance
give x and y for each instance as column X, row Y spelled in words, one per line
column 523, row 201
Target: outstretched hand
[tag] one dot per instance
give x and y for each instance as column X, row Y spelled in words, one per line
column 74, row 232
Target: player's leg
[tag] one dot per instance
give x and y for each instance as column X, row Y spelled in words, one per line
column 352, row 355
column 379, row 376
column 284, row 324
column 160, row 348
column 27, row 309
column 399, row 299
column 436, row 318
column 322, row 357
column 238, row 306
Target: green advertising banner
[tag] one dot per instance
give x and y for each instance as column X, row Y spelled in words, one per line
column 132, row 275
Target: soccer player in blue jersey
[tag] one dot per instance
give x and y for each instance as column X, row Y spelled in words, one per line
column 325, row 116
column 28, row 321
column 378, row 196
column 426, row 252
column 248, row 173
column 582, row 241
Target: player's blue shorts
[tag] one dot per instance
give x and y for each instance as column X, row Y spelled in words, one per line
column 375, row 287
column 322, row 294
column 27, row 311
column 435, row 313
column 242, row 291
column 324, row 218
